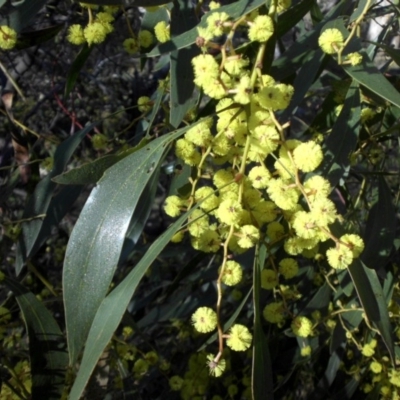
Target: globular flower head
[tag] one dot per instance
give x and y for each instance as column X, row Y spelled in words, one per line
column 339, row 257
column 176, row 383
column 209, row 200
column 239, row 338
column 95, row 33
column 275, row 230
column 269, row 279
column 331, row 40
column 229, row 212
column 216, row 367
column 301, row 326
column 8, row 37
column 232, row 273
column 131, row 45
column 354, row 58
column 215, row 23
column 356, row 244
column 243, row 90
column 144, row 104
column 284, row 196
column 305, row 351
column 261, row 29
column 145, row 38
column 274, row 312
column 204, row 319
column 288, row 268
column 162, row 32
column 173, row 206
column 200, row 135
column 305, row 225
column 308, row 156
column 75, row 34
column 259, row 177
column 249, row 236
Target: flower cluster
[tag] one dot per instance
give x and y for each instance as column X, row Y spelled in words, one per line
column 97, row 29
column 252, row 184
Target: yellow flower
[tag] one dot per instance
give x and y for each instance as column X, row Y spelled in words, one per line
column 261, row 29
column 288, row 267
column 75, row 35
column 229, row 212
column 308, row 156
column 274, row 312
column 172, row 206
column 204, row 320
column 269, row 279
column 355, row 242
column 95, row 33
column 8, row 37
column 339, row 257
column 301, row 326
column 131, row 45
column 145, row 38
column 232, row 273
column 162, row 32
column 239, row 338
column 354, row 58
column 330, row 41
column 216, row 367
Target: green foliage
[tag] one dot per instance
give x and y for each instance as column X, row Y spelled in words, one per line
column 273, row 142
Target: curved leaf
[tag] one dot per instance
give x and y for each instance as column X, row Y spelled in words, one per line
column 47, row 348
column 380, row 230
column 91, row 172
column 76, row 67
column 34, row 38
column 371, row 296
column 41, row 198
column 343, row 139
column 113, row 307
column 96, row 241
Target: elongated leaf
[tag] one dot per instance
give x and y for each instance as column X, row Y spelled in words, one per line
column 91, row 172
column 262, row 385
column 47, row 348
column 112, row 309
column 380, row 230
column 21, row 16
column 96, row 242
column 140, row 216
column 183, row 19
column 29, row 39
column 371, row 296
column 331, row 371
column 187, row 38
column 76, row 67
column 39, row 202
column 343, row 139
column 59, row 205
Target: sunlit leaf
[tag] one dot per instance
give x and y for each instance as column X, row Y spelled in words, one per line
column 112, row 308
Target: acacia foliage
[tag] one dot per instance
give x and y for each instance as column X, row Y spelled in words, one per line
column 244, row 119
